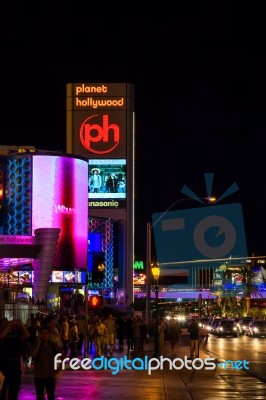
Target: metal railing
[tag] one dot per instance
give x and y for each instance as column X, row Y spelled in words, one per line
column 15, row 304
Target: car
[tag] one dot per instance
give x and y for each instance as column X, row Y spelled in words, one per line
column 226, row 327
column 213, row 325
column 257, row 328
column 243, row 325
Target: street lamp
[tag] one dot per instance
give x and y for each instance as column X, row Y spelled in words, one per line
column 150, row 226
column 155, row 270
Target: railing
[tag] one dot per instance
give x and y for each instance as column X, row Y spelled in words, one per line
column 15, row 304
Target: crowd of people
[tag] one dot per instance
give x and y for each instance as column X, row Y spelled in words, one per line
column 38, row 340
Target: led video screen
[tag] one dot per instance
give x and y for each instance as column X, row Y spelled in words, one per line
column 107, row 179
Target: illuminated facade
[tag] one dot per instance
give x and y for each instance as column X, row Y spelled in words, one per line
column 44, row 192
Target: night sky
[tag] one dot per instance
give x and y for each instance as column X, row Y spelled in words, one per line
column 199, row 77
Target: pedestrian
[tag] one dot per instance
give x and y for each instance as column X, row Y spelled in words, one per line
column 143, row 334
column 34, row 330
column 193, row 330
column 51, row 322
column 81, row 325
column 173, row 335
column 43, row 352
column 109, row 322
column 91, row 332
column 136, row 336
column 73, row 338
column 129, row 333
column 100, row 332
column 161, row 337
column 120, row 332
column 64, row 331
column 13, row 341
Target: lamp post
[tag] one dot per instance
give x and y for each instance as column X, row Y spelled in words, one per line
column 150, row 226
column 155, row 270
column 86, row 310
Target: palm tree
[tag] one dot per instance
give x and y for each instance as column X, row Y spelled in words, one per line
column 227, row 299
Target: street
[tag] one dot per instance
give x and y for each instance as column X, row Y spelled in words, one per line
column 241, row 348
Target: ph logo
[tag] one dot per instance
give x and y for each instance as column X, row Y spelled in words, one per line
column 201, row 233
column 103, row 133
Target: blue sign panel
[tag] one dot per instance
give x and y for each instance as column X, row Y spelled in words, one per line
column 200, row 233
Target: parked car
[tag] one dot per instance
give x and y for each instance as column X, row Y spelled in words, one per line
column 257, row 328
column 226, row 327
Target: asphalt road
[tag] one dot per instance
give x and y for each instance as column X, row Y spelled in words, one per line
column 243, row 347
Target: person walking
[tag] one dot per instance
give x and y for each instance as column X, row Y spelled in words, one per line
column 173, row 335
column 193, row 330
column 91, row 332
column 109, row 322
column 120, row 332
column 73, row 338
column 129, row 333
column 51, row 322
column 143, row 334
column 81, row 324
column 136, row 336
column 161, row 338
column 64, row 332
column 13, row 341
column 100, row 333
column 43, row 352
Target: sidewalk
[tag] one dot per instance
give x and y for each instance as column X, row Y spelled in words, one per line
column 163, row 384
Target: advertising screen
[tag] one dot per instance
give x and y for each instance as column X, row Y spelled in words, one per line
column 60, row 200
column 57, row 277
column 25, row 277
column 139, row 279
column 107, row 179
column 70, row 276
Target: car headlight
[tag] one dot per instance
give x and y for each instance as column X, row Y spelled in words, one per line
column 256, row 329
column 234, row 328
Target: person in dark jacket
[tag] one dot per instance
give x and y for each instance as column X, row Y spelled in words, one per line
column 193, row 330
column 43, row 352
column 173, row 332
column 13, row 342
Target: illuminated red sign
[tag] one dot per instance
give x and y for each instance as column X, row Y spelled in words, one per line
column 104, row 133
column 100, row 119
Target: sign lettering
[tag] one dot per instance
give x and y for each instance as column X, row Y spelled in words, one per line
column 106, row 133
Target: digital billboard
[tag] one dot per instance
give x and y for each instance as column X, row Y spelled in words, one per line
column 68, row 277
column 107, row 181
column 60, row 200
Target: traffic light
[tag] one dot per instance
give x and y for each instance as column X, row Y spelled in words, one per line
column 95, row 301
column 98, row 267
